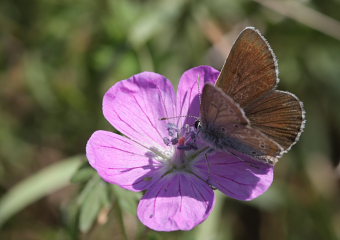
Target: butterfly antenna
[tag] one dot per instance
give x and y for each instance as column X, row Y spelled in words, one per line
column 199, row 97
column 167, row 118
column 208, row 166
column 198, row 86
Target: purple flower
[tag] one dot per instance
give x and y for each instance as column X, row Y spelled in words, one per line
column 164, row 157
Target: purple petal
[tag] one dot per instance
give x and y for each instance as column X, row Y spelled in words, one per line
column 135, row 106
column 187, row 94
column 179, row 201
column 123, row 162
column 238, row 177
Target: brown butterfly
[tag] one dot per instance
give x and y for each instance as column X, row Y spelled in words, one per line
column 243, row 111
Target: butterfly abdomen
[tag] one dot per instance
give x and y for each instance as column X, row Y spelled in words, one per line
column 219, row 139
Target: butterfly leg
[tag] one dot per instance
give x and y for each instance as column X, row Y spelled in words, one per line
column 249, row 163
column 235, row 155
column 208, row 165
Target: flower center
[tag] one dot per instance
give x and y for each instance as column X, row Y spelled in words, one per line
column 184, row 140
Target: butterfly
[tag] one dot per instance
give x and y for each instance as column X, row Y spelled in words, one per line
column 243, row 111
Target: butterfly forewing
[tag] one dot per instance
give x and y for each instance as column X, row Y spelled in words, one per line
column 279, row 115
column 219, row 109
column 225, row 126
column 250, row 69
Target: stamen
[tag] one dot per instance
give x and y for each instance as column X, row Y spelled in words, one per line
column 172, row 130
column 186, row 128
column 166, row 141
column 186, row 142
column 174, row 141
column 190, row 135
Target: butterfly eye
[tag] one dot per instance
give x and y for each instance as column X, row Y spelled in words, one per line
column 235, row 126
column 197, row 124
column 222, row 129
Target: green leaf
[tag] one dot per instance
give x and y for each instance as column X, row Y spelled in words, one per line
column 94, row 200
column 90, row 185
column 127, row 200
column 83, row 174
column 37, row 186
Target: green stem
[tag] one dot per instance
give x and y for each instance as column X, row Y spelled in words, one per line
column 121, row 220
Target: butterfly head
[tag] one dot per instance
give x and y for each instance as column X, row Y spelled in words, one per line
column 198, row 124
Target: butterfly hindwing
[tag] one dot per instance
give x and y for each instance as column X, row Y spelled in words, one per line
column 254, row 143
column 279, row 115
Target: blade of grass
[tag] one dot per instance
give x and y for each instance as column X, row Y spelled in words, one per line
column 37, row 186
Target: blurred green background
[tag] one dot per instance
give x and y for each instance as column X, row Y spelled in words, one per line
column 57, row 59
